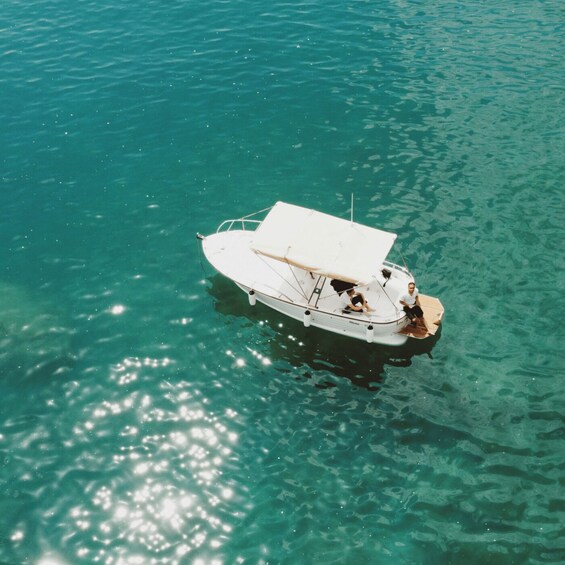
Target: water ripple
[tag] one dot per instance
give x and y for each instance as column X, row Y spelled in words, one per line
column 149, row 414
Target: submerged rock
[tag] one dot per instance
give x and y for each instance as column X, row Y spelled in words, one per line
column 34, row 341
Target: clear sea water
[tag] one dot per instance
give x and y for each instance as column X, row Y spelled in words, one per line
column 148, row 414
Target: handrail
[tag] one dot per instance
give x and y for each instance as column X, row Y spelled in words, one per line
column 397, row 267
column 231, row 223
column 242, row 220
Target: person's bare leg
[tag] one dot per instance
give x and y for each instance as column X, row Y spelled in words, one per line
column 367, row 307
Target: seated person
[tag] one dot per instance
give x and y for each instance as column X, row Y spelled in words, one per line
column 353, row 301
column 411, row 305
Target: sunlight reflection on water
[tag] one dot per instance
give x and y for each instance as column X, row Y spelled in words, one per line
column 165, row 493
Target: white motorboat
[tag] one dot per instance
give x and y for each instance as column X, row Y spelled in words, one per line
column 299, row 261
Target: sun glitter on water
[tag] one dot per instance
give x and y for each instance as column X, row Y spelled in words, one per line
column 142, row 506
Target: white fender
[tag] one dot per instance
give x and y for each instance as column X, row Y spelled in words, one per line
column 307, row 319
column 252, row 297
column 370, row 333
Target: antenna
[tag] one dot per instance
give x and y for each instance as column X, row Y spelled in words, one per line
column 352, row 207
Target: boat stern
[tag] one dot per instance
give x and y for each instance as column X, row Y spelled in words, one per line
column 433, row 316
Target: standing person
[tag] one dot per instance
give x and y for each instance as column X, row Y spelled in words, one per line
column 355, row 301
column 411, row 304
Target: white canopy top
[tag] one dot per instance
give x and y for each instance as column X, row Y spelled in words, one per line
column 323, row 244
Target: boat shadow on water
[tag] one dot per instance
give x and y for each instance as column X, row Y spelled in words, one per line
column 312, row 351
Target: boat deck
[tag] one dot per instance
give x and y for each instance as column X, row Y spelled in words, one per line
column 231, row 254
column 292, row 290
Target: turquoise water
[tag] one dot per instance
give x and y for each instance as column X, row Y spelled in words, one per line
column 149, row 415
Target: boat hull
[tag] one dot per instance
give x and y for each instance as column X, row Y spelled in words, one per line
column 353, row 325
